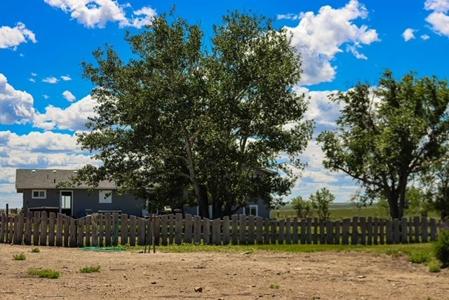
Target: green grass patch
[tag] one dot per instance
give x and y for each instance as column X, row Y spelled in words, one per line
column 419, row 257
column 434, row 265
column 90, row 269
column 20, row 256
column 43, row 273
column 35, row 250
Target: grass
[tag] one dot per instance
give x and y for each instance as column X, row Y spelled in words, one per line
column 43, row 273
column 274, row 286
column 35, row 250
column 20, row 256
column 434, row 265
column 418, row 257
column 90, row 269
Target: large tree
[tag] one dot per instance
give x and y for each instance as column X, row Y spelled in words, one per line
column 175, row 118
column 387, row 135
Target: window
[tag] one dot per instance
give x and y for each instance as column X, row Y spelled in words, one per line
column 66, row 199
column 39, row 194
column 105, row 197
column 253, row 210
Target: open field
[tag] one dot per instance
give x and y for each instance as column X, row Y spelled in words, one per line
column 345, row 210
column 242, row 272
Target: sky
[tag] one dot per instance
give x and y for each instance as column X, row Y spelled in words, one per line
column 45, row 101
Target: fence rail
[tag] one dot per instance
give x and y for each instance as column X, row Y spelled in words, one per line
column 52, row 229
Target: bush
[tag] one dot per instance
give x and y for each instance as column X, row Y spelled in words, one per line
column 90, row 269
column 43, row 273
column 321, row 201
column 302, row 207
column 35, row 250
column 434, row 265
column 20, row 256
column 441, row 248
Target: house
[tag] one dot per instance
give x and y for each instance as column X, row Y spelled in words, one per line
column 51, row 191
column 42, row 190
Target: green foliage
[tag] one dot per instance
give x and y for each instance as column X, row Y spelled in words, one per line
column 90, row 269
column 35, row 250
column 387, row 135
column 419, row 257
column 321, row 201
column 20, row 256
column 274, row 286
column 182, row 125
column 43, row 273
column 441, row 247
column 434, row 265
column 419, row 203
column 436, row 184
column 302, row 207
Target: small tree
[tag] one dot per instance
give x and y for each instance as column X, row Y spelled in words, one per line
column 302, row 207
column 321, row 201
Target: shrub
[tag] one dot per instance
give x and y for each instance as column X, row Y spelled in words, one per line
column 35, row 250
column 321, row 201
column 302, row 207
column 419, row 257
column 434, row 265
column 90, row 269
column 441, row 248
column 43, row 273
column 20, row 256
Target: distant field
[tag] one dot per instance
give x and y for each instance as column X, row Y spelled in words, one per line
column 342, row 211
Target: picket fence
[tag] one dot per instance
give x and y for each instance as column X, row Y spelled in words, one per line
column 40, row 228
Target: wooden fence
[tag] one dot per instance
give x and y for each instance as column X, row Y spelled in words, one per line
column 120, row 229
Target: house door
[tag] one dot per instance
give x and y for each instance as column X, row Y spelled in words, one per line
column 66, row 202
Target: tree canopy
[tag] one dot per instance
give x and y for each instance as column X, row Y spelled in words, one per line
column 177, row 124
column 389, row 134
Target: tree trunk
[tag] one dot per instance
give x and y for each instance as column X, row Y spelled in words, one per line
column 203, row 202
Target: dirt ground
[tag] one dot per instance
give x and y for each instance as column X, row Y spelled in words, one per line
column 259, row 275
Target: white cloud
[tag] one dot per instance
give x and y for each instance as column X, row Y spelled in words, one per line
column 15, row 106
column 425, row 37
column 11, row 37
column 408, row 34
column 51, row 80
column 46, row 96
column 31, row 79
column 288, row 17
column 319, row 38
column 438, row 18
column 66, row 78
column 69, row 96
column 97, row 13
column 321, row 109
column 74, row 117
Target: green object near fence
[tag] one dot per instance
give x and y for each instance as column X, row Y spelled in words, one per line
column 104, row 249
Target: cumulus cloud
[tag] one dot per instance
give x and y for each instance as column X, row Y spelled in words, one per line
column 321, row 109
column 11, row 37
column 97, row 13
column 50, row 80
column 319, row 38
column 74, row 117
column 438, row 18
column 408, row 34
column 15, row 106
column 69, row 96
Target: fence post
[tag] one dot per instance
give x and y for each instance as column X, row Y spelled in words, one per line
column 226, row 237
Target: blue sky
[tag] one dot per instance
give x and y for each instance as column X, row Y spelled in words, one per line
column 44, row 99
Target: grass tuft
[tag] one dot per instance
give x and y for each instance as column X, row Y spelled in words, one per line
column 434, row 265
column 43, row 273
column 20, row 256
column 274, row 286
column 35, row 250
column 90, row 269
column 419, row 257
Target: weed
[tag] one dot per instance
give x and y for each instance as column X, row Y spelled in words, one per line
column 90, row 269
column 434, row 265
column 419, row 257
column 35, row 250
column 274, row 286
column 20, row 256
column 44, row 273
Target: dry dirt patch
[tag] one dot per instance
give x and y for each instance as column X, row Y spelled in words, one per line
column 260, row 275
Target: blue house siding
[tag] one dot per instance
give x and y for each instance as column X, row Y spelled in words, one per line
column 86, row 201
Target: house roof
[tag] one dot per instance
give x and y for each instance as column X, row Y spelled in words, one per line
column 52, row 179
